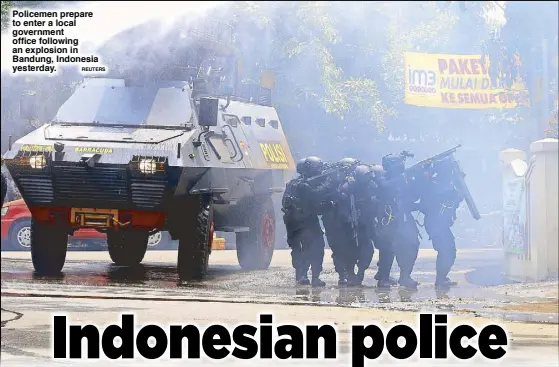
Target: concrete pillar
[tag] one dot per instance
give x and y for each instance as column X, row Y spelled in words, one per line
column 543, row 209
column 516, row 254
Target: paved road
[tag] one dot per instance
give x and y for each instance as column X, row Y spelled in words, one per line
column 92, row 290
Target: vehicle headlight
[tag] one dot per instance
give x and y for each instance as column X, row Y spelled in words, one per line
column 5, row 210
column 147, row 166
column 38, row 161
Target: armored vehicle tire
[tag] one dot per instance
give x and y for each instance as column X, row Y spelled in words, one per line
column 195, row 245
column 49, row 245
column 255, row 248
column 127, row 248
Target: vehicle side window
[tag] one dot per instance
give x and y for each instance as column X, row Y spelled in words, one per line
column 231, row 120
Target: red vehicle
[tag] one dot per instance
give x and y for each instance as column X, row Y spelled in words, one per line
column 16, row 231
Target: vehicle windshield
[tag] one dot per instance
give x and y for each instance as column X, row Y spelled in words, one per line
column 109, row 101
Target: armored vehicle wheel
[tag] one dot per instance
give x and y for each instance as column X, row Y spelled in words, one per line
column 48, row 248
column 195, row 244
column 255, row 248
column 127, row 248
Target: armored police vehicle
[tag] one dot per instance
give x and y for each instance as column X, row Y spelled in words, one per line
column 180, row 152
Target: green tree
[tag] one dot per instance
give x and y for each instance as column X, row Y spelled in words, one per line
column 302, row 36
column 6, row 6
column 341, row 64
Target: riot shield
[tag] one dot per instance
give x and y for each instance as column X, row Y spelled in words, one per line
column 463, row 187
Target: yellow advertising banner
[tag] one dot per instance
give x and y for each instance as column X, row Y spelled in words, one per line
column 456, row 81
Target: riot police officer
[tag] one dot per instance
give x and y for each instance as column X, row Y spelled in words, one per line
column 293, row 218
column 439, row 201
column 335, row 221
column 396, row 223
column 381, row 243
column 304, row 235
column 313, row 245
column 362, row 187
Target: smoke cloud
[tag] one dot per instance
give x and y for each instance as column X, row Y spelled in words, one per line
column 314, row 49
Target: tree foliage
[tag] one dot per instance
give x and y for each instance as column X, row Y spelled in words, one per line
column 6, row 6
column 303, row 37
column 342, row 62
column 526, row 48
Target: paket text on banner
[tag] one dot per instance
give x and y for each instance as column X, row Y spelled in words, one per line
column 456, row 81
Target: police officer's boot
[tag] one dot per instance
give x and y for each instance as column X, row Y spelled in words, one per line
column 385, row 280
column 316, row 269
column 352, row 279
column 342, row 282
column 358, row 279
column 386, row 259
column 302, row 278
column 445, row 261
column 406, row 281
column 444, row 283
column 384, row 284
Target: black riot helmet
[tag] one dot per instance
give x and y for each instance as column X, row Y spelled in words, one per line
column 393, row 164
column 376, row 170
column 362, row 174
column 313, row 166
column 348, row 161
column 301, row 166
